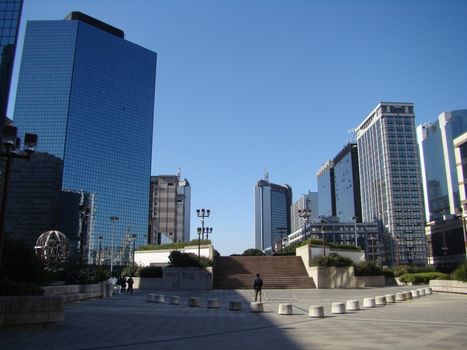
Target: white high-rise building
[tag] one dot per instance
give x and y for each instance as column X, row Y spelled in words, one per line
column 306, row 201
column 390, row 179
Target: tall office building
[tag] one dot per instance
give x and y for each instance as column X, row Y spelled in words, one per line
column 306, row 201
column 272, row 214
column 326, row 190
column 10, row 15
column 169, row 211
column 435, row 140
column 89, row 95
column 390, row 179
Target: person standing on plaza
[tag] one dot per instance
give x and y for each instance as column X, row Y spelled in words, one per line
column 258, row 286
column 130, row 285
column 122, row 290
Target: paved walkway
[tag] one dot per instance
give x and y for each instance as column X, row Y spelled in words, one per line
column 437, row 321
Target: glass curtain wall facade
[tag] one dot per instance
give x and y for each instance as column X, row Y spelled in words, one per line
column 326, row 190
column 89, row 95
column 439, row 175
column 272, row 212
column 390, row 179
column 347, row 184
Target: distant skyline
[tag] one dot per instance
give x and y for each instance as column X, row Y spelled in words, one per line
column 254, row 85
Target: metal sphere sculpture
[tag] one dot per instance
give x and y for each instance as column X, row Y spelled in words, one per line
column 52, row 247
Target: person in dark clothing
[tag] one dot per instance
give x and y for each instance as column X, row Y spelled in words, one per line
column 123, row 280
column 258, row 286
column 130, row 285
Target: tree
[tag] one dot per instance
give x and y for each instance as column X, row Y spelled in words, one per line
column 253, row 252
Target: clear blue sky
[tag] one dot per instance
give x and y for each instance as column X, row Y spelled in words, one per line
column 246, row 85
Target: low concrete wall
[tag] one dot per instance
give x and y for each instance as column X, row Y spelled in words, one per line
column 30, row 310
column 449, row 286
column 369, row 281
column 161, row 257
column 76, row 292
column 177, row 278
column 333, row 277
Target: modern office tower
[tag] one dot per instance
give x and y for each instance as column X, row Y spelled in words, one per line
column 306, row 201
column 347, row 184
column 272, row 214
column 390, row 179
column 10, row 14
column 460, row 152
column 169, row 209
column 89, row 95
column 435, row 141
column 326, row 190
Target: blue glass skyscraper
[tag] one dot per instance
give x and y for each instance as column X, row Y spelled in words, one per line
column 89, row 95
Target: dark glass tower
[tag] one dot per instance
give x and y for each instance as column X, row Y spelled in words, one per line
column 89, row 95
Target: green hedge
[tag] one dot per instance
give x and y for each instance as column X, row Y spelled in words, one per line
column 88, row 275
column 331, row 260
column 460, row 274
column 367, row 268
column 423, row 277
column 179, row 259
column 404, row 269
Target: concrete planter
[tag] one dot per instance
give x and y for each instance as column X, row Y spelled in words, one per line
column 448, row 286
column 333, row 277
column 177, row 278
column 76, row 292
column 31, row 310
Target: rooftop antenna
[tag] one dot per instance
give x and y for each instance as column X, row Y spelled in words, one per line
column 266, row 175
column 179, row 173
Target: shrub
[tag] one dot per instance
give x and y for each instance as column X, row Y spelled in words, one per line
column 150, row 271
column 21, row 264
column 403, row 269
column 9, row 287
column 422, row 277
column 253, row 252
column 87, row 275
column 178, row 245
column 130, row 271
column 367, row 268
column 179, row 259
column 331, row 260
column 460, row 274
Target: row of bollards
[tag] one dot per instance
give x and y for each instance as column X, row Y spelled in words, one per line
column 315, row 311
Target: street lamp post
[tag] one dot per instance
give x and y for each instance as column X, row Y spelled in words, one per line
column 100, row 250
column 354, row 218
column 11, row 148
column 207, row 231
column 84, row 212
column 372, row 239
column 200, row 232
column 203, row 213
column 323, row 221
column 134, row 248
column 113, row 219
column 305, row 215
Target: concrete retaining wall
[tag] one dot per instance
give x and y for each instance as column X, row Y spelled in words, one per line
column 333, row 277
column 449, row 286
column 177, row 278
column 369, row 281
column 76, row 292
column 30, row 310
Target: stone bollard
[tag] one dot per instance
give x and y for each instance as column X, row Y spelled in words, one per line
column 353, row 305
column 380, row 300
column 213, row 304
column 193, row 302
column 159, row 298
column 415, row 293
column 285, row 309
column 401, row 296
column 408, row 295
column 235, row 305
column 151, row 297
column 390, row 298
column 316, row 311
column 428, row 291
column 174, row 300
column 338, row 308
column 421, row 292
column 256, row 306
column 369, row 302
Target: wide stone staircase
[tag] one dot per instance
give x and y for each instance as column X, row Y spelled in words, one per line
column 277, row 272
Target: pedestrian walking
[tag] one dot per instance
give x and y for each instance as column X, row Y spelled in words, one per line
column 258, row 286
column 130, row 285
column 122, row 290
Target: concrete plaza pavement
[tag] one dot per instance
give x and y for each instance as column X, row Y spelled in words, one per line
column 437, row 321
